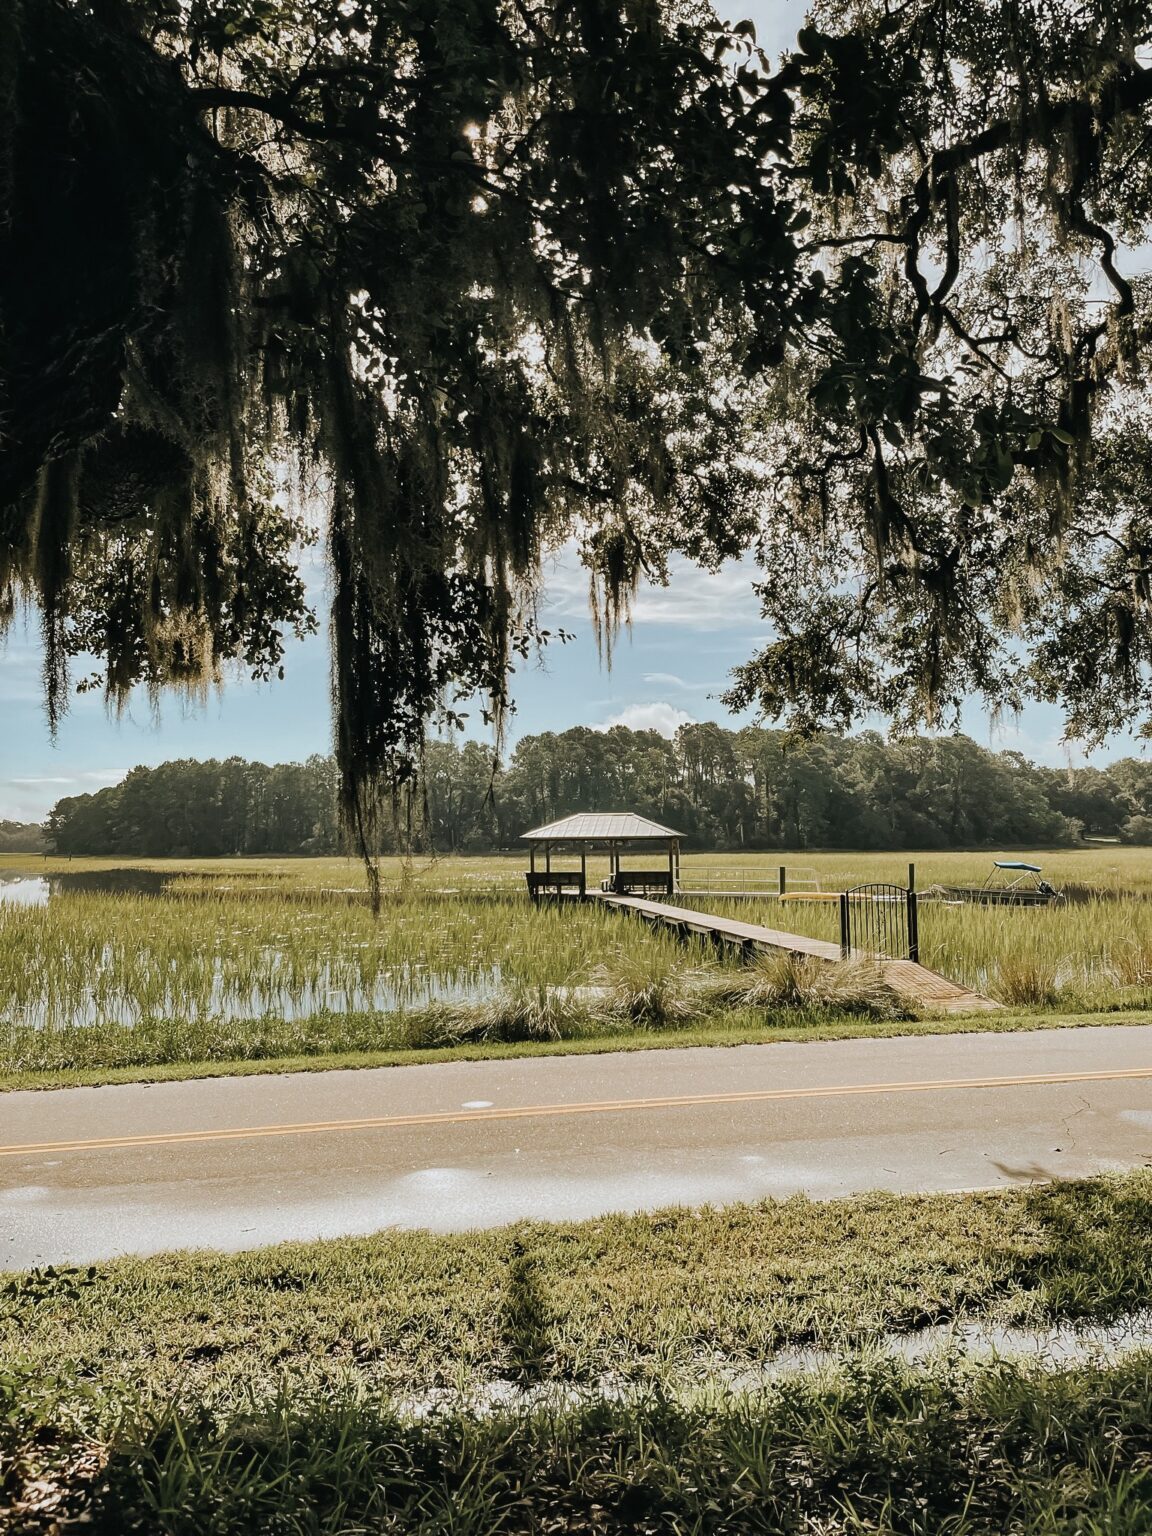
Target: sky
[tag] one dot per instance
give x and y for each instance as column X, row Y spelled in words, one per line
column 669, row 669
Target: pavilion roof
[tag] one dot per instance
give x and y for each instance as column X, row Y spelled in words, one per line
column 601, row 827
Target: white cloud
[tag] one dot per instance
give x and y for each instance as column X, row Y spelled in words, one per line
column 31, row 798
column 670, row 680
column 660, row 716
column 693, row 599
column 93, row 776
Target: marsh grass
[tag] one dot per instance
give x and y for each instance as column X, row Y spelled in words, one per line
column 261, row 959
column 1027, row 982
column 652, row 989
column 855, row 989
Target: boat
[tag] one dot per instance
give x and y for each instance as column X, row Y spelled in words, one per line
column 1011, row 883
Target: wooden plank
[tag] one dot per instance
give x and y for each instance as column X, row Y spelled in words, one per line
column 907, row 977
column 727, row 927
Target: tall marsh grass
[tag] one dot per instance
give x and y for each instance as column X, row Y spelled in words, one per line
column 241, row 954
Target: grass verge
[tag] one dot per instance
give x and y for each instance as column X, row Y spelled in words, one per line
column 876, row 1448
column 67, row 1060
column 673, row 1297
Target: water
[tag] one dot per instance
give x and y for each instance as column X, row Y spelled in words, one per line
column 1057, row 1347
column 21, row 890
column 400, row 989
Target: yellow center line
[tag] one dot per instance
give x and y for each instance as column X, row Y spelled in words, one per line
column 543, row 1111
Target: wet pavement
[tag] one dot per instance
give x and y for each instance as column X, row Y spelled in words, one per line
column 229, row 1163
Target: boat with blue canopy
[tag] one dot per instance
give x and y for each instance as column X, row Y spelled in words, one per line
column 1010, row 883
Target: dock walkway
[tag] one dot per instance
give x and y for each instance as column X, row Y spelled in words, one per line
column 907, row 977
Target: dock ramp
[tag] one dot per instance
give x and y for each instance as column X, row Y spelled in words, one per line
column 924, row 987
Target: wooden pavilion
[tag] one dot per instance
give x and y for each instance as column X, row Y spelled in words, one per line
column 610, row 832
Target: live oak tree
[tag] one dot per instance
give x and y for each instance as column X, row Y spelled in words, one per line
column 960, row 496
column 479, row 275
column 446, row 263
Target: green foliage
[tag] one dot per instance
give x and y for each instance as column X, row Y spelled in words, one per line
column 21, row 837
column 448, row 265
column 875, row 1447
column 479, row 277
column 959, row 444
column 745, row 789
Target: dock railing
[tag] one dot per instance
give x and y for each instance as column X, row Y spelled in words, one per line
column 738, row 880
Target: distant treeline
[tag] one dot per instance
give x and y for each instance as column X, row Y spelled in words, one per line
column 750, row 788
column 21, row 837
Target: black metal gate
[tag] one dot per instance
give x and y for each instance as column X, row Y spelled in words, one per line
column 879, row 920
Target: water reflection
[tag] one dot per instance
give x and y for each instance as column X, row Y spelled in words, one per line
column 400, row 989
column 21, row 890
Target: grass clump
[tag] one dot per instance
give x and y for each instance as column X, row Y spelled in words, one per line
column 520, row 1013
column 1131, row 962
column 652, row 990
column 1022, row 981
column 853, row 989
column 876, row 1447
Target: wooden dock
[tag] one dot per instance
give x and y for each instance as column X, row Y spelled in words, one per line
column 911, row 980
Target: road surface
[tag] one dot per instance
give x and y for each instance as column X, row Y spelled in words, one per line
column 229, row 1163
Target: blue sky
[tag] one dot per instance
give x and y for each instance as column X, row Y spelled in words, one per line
column 684, row 641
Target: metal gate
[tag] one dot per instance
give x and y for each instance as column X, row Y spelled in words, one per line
column 879, row 920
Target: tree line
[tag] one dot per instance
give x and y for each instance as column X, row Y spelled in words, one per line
column 21, row 837
column 748, row 788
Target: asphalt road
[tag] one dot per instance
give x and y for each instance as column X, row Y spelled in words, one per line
column 87, row 1173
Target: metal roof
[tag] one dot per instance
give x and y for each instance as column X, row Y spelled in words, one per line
column 600, row 827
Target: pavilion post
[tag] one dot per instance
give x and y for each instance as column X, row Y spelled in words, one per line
column 583, row 870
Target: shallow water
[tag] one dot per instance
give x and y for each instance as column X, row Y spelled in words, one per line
column 394, row 990
column 21, row 890
column 399, row 990
column 1062, row 1345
